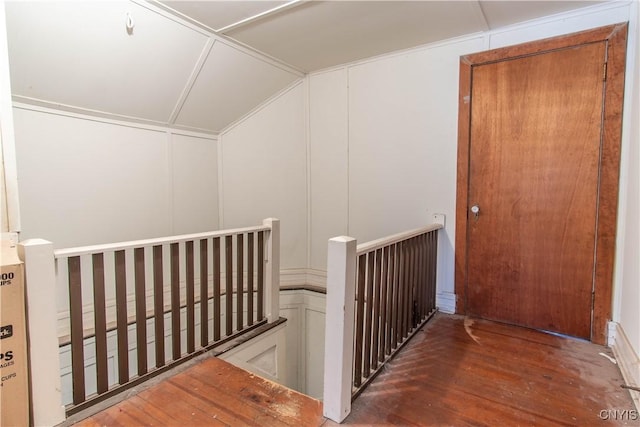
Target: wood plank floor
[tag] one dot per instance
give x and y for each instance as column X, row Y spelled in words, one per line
column 458, row 372
column 213, row 393
column 455, row 372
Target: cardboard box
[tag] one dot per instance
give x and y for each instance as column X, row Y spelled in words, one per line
column 14, row 388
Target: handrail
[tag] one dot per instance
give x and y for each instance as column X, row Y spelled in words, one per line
column 84, row 250
column 150, row 296
column 379, row 294
column 373, row 245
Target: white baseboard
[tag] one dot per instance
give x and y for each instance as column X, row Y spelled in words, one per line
column 303, row 276
column 628, row 361
column 446, row 302
column 293, row 277
column 611, row 333
column 317, row 278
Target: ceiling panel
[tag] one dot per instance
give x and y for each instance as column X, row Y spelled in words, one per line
column 502, row 13
column 80, row 54
column 219, row 14
column 320, row 34
column 230, row 84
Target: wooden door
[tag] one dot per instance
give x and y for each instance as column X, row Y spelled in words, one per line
column 535, row 158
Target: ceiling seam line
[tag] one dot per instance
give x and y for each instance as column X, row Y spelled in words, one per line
column 195, row 73
column 261, row 15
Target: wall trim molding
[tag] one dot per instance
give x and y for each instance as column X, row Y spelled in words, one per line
column 32, row 104
column 195, row 72
column 446, row 302
column 628, row 360
column 316, row 281
column 303, row 278
column 317, row 277
column 295, row 277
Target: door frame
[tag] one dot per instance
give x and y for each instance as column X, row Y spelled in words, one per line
column 607, row 203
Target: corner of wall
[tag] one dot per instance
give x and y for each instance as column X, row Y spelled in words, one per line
column 265, row 355
column 446, row 302
column 628, row 361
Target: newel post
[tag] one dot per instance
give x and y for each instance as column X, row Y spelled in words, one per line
column 273, row 270
column 42, row 318
column 339, row 327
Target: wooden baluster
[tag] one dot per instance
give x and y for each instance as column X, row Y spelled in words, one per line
column 190, row 291
column 121, row 317
column 260, row 261
column 360, row 290
column 366, row 371
column 228, row 297
column 240, row 283
column 141, row 310
column 375, row 309
column 391, row 303
column 174, row 250
column 158, row 305
column 250, row 278
column 100, row 316
column 217, row 315
column 77, row 330
column 204, row 292
column 384, row 296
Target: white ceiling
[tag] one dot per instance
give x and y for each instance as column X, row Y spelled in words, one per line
column 317, row 35
column 217, row 86
column 311, row 35
column 219, row 14
column 78, row 55
column 202, row 65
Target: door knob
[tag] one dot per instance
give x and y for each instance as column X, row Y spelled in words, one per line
column 475, row 210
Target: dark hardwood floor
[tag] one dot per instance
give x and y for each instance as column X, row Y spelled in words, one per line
column 463, row 372
column 455, row 372
column 213, row 393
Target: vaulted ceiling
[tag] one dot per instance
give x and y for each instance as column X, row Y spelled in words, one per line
column 312, row 35
column 201, row 65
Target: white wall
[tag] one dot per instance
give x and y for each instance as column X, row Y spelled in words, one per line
column 630, row 285
column 383, row 138
column 329, row 162
column 86, row 181
column 383, row 135
column 305, row 313
column 264, row 355
column 9, row 205
column 263, row 173
column 627, row 304
column 195, row 184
